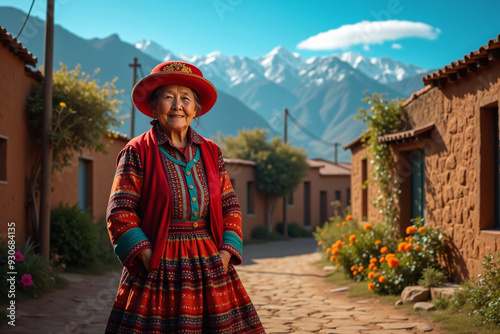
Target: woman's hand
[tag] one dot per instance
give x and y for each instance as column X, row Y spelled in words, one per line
column 225, row 257
column 145, row 257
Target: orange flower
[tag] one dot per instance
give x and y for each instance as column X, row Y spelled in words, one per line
column 374, row 268
column 410, row 229
column 353, row 268
column 371, row 286
column 381, row 279
column 408, row 247
column 401, row 246
column 322, row 233
column 417, row 247
column 331, row 218
column 355, row 272
column 337, row 266
column 320, row 242
column 389, row 256
column 343, row 243
column 343, row 235
column 371, row 265
column 361, row 268
column 383, row 250
column 352, row 237
column 335, row 251
column 348, row 217
column 378, row 242
column 373, row 260
column 332, row 258
column 393, row 262
column 328, row 250
column 377, row 274
column 421, row 229
column 382, row 259
column 371, row 274
column 343, row 223
column 338, row 224
column 407, row 239
column 367, row 226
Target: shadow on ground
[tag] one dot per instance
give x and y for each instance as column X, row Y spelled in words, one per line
column 298, row 246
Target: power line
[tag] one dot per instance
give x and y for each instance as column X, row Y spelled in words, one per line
column 26, row 20
column 309, row 133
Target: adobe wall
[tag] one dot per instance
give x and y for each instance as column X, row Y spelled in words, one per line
column 358, row 154
column 453, row 165
column 15, row 86
column 240, row 174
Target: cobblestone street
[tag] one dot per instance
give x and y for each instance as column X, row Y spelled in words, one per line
column 289, row 292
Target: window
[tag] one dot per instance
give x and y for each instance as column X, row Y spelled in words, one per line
column 250, row 197
column 323, row 207
column 417, row 183
column 337, row 195
column 489, row 172
column 307, row 203
column 289, row 200
column 364, row 194
column 85, row 185
column 3, row 159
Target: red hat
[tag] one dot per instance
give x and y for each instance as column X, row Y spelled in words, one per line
column 174, row 73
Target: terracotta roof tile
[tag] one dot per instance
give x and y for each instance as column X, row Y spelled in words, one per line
column 470, row 62
column 417, row 94
column 330, row 168
column 17, row 48
column 405, row 135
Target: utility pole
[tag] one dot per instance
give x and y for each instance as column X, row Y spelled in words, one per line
column 336, row 144
column 135, row 65
column 47, row 150
column 285, row 227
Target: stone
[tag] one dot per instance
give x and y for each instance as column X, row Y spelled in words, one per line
column 451, row 162
column 452, row 125
column 424, row 306
column 412, row 294
column 329, row 268
column 445, row 291
column 462, row 176
column 344, row 289
column 399, row 303
column 72, row 278
column 398, row 325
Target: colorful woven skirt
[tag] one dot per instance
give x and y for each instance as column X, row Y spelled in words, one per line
column 189, row 293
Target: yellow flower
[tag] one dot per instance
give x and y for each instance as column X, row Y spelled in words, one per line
column 62, row 104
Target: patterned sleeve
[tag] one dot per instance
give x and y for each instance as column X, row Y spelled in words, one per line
column 232, row 239
column 123, row 222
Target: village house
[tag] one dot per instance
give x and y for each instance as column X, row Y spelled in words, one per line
column 448, row 159
column 86, row 182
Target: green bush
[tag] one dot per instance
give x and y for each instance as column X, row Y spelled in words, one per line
column 74, row 235
column 481, row 295
column 432, row 277
column 260, row 232
column 294, row 230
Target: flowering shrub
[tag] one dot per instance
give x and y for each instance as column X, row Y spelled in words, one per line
column 374, row 253
column 34, row 276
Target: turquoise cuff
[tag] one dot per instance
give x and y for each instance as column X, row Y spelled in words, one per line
column 233, row 240
column 127, row 241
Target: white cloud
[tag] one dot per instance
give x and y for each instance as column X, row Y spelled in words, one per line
column 396, row 46
column 367, row 32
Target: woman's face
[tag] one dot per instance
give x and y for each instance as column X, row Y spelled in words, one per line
column 175, row 108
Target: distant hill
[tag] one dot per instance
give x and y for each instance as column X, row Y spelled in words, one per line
column 322, row 93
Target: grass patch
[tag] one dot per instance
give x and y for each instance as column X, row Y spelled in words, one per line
column 459, row 322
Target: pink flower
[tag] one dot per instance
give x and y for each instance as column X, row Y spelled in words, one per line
column 56, row 257
column 18, row 256
column 26, row 280
column 63, row 266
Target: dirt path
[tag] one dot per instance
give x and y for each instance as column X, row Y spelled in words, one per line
column 289, row 292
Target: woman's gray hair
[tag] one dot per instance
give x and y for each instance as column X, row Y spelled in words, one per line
column 154, row 98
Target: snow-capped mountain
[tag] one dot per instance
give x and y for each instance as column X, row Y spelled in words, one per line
column 384, row 70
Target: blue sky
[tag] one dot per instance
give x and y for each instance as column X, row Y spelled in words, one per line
column 429, row 34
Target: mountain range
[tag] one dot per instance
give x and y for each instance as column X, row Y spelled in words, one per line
column 322, row 94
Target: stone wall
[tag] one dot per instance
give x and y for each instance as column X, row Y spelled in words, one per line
column 458, row 188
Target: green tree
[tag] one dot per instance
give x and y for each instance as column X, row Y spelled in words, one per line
column 383, row 117
column 280, row 167
column 82, row 114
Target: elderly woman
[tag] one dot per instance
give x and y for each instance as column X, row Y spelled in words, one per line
column 174, row 219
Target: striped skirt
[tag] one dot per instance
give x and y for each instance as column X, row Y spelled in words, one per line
column 188, row 293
